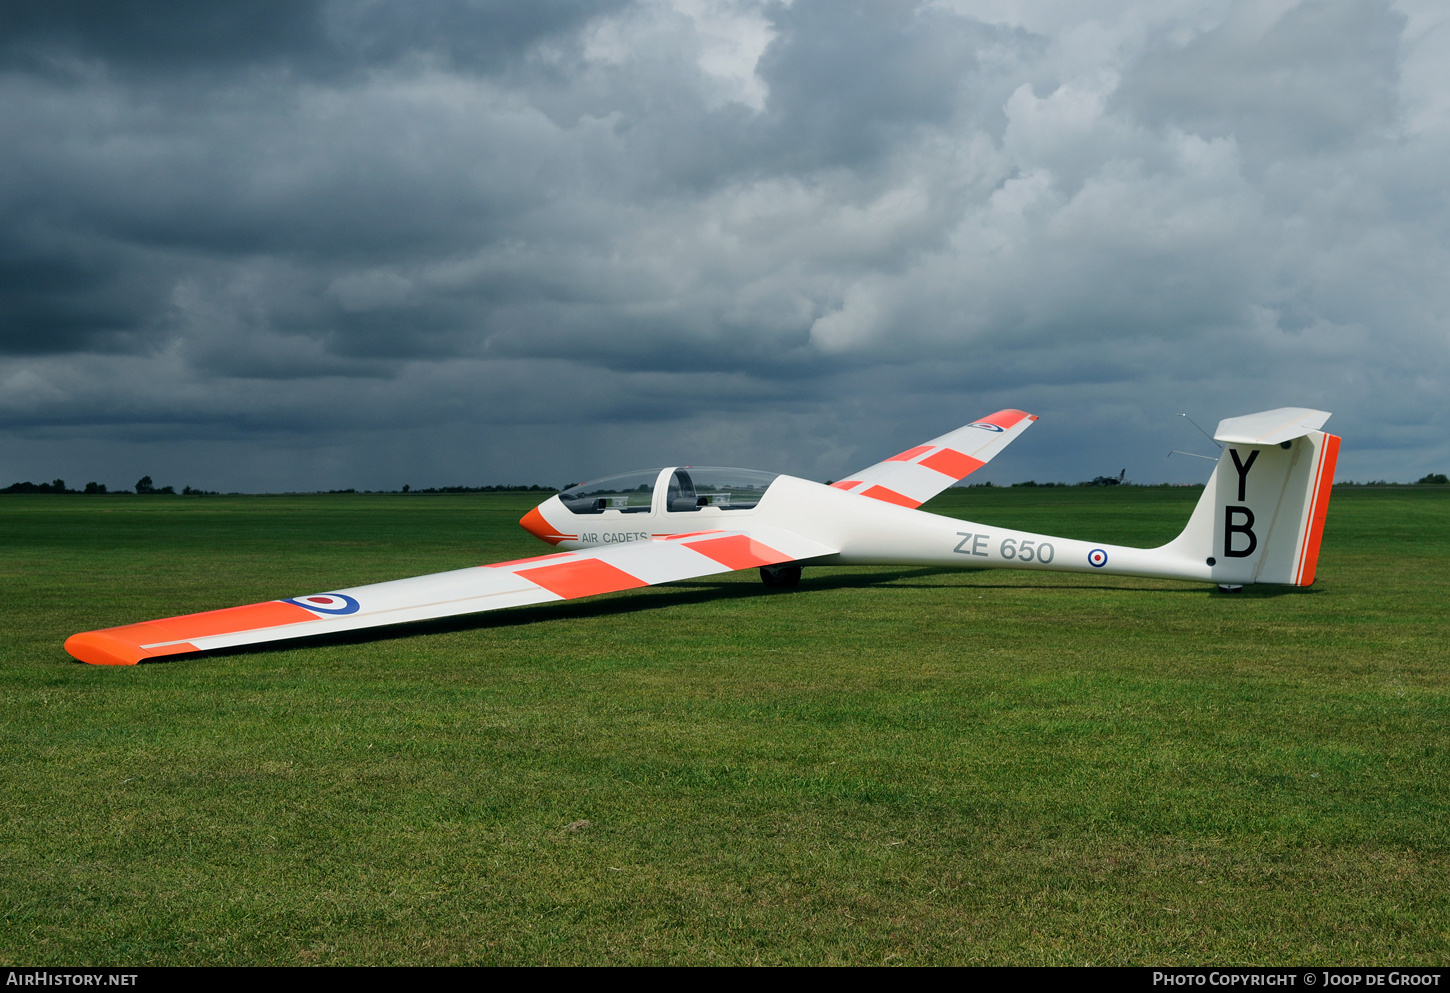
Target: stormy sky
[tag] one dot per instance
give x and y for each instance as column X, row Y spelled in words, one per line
column 291, row 245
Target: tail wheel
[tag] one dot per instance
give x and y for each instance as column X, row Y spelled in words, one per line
column 782, row 576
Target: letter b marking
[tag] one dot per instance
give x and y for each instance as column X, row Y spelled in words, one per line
column 1246, row 528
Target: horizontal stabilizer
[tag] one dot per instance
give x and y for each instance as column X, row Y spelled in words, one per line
column 1270, row 427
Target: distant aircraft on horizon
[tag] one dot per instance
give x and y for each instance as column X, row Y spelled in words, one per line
column 1260, row 520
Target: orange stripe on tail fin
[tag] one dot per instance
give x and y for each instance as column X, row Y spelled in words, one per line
column 1323, row 488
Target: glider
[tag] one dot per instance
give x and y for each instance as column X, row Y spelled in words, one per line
column 1259, row 520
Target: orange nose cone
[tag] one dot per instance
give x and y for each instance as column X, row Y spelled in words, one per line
column 533, row 522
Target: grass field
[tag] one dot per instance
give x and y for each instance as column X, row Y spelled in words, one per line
column 884, row 766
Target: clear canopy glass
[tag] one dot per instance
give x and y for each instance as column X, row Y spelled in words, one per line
column 691, row 488
column 694, row 487
column 628, row 493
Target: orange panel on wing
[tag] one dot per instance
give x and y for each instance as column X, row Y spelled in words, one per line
column 909, row 454
column 273, row 613
column 891, row 496
column 586, row 577
column 952, row 463
column 536, row 558
column 738, row 552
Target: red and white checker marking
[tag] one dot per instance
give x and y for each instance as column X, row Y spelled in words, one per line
column 914, row 476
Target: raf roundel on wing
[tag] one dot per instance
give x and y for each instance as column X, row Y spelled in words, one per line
column 327, row 603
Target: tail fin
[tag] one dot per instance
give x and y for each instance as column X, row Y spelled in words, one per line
column 1261, row 516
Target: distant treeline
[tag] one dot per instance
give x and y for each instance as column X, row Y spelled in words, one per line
column 1432, row 479
column 535, row 488
column 144, row 486
column 1099, row 481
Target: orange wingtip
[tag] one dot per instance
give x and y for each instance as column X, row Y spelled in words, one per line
column 172, row 635
column 108, row 647
column 1005, row 418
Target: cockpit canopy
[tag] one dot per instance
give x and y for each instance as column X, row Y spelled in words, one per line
column 690, row 488
column 627, row 492
column 694, row 487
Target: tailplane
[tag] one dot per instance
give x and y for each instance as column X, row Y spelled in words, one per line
column 1261, row 516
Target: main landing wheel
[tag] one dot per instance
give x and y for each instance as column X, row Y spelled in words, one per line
column 782, row 576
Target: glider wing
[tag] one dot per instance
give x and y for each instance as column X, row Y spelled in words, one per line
column 561, row 576
column 914, row 476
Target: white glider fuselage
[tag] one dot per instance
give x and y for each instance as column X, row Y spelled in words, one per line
column 869, row 532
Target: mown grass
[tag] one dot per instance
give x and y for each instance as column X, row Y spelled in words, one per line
column 885, row 766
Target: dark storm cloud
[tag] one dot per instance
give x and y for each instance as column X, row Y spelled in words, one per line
column 1319, row 78
column 159, row 37
column 850, row 81
column 326, row 244
column 307, row 36
column 469, row 35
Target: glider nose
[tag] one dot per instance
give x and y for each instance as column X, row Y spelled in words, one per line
column 537, row 525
